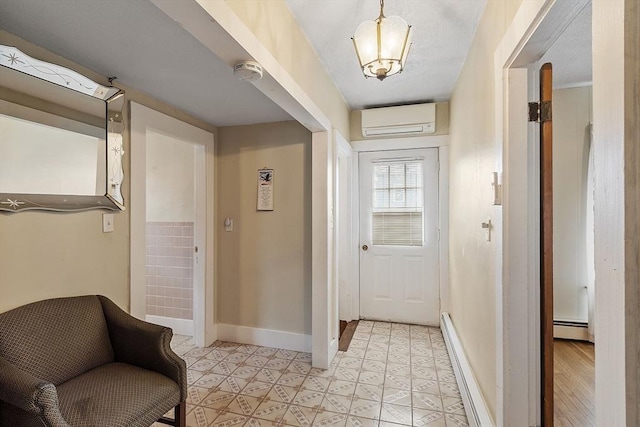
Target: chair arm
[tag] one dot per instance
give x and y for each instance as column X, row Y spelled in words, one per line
column 31, row 394
column 143, row 344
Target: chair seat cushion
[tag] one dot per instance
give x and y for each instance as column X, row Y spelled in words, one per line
column 117, row 395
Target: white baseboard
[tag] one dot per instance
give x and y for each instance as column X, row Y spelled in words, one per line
column 179, row 326
column 264, row 337
column 478, row 414
column 571, row 332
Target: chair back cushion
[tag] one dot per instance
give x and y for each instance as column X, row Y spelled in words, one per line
column 57, row 339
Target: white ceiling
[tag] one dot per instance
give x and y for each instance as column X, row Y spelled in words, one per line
column 570, row 55
column 147, row 50
column 442, row 34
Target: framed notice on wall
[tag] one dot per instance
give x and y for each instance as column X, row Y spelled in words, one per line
column 265, row 189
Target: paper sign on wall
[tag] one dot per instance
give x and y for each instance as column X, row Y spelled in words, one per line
column 265, row 189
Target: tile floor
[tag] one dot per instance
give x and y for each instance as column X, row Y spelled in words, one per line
column 392, row 375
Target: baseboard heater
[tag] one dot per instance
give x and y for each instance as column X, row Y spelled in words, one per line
column 474, row 405
column 571, row 330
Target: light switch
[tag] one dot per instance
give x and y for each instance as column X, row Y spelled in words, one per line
column 107, row 223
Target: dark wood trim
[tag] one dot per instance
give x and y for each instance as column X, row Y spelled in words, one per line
column 546, row 248
column 347, row 335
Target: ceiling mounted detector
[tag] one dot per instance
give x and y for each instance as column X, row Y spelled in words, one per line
column 249, row 71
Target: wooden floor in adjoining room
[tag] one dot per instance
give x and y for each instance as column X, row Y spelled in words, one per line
column 574, row 383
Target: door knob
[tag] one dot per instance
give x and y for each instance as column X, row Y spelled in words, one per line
column 365, row 247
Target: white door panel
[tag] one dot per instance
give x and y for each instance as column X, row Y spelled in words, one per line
column 399, row 264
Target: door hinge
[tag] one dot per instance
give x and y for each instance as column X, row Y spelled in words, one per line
column 540, row 111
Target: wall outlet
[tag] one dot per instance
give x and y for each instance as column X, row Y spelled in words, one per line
column 107, row 223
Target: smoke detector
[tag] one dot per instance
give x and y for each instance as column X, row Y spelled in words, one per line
column 247, row 71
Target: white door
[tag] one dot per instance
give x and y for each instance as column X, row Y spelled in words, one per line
column 399, row 274
column 171, row 223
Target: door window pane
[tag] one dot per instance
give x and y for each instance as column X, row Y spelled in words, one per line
column 397, row 203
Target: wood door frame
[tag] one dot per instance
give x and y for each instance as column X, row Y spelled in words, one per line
column 441, row 142
column 546, row 249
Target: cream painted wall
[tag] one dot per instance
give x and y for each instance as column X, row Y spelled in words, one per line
column 264, row 264
column 48, row 255
column 473, row 156
column 442, row 123
column 571, row 141
column 171, row 166
column 274, row 25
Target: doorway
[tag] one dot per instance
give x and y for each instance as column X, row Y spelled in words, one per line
column 571, row 335
column 172, row 224
column 399, row 236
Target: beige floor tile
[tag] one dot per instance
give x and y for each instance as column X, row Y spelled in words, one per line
column 282, row 393
column 397, row 396
column 309, row 398
column 456, row 420
column 271, row 410
column 430, row 401
column 209, row 381
column 330, row 419
column 196, row 394
column 246, row 372
column 278, row 364
column 233, row 384
column 229, row 419
column 427, row 418
column 299, row 416
column 257, row 422
column 256, row 360
column 201, row 417
column 257, row 389
column 341, row 387
column 398, row 381
column 237, row 357
column 292, row 379
column 266, row 351
column 365, row 408
column 286, row 354
column 244, row 405
column 396, row 413
column 217, row 354
column 361, row 422
column 453, row 405
column 336, row 403
column 218, row 400
column 224, row 368
column 351, row 362
column 374, row 365
column 268, row 375
column 299, row 367
column 392, row 375
column 369, row 392
column 373, row 378
column 315, row 383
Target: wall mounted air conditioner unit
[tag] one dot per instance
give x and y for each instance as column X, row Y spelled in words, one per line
column 418, row 119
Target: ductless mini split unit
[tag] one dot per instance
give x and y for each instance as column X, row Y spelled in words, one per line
column 418, row 119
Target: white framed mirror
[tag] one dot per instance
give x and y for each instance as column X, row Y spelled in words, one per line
column 61, row 135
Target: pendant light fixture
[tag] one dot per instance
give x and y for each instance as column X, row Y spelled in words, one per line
column 382, row 45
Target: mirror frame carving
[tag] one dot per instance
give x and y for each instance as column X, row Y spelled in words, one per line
column 112, row 97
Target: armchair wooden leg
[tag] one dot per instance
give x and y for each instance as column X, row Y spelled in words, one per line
column 181, row 415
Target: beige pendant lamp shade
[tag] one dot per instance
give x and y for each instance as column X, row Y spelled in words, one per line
column 382, row 45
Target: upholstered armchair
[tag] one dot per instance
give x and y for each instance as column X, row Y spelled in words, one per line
column 82, row 361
